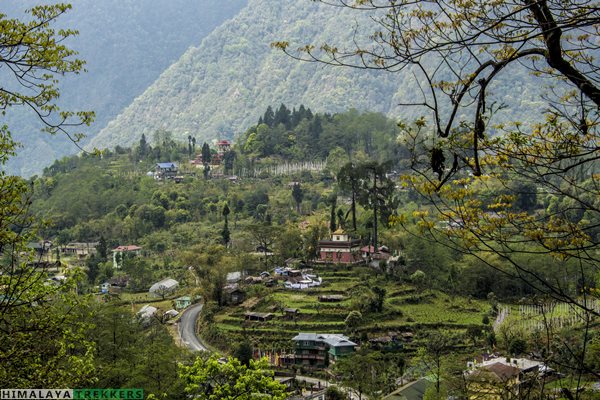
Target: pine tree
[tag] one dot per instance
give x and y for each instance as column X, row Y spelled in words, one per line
column 316, row 129
column 340, row 218
column 206, row 155
column 142, row 149
column 332, row 225
column 102, row 248
column 269, row 117
column 282, row 116
column 226, row 234
column 298, row 195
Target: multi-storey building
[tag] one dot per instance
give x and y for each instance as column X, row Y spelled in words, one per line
column 318, row 350
column 341, row 249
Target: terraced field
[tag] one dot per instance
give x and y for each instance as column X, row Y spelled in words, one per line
column 406, row 309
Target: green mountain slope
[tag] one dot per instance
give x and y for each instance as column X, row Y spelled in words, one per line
column 221, row 87
column 127, row 44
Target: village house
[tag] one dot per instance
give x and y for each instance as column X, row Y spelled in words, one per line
column 104, row 287
column 499, row 377
column 319, row 350
column 120, row 252
column 414, row 390
column 331, row 298
column 303, row 282
column 146, row 312
column 215, row 160
column 166, row 170
column 233, row 277
column 120, row 281
column 223, row 146
column 42, row 249
column 170, row 314
column 291, row 313
column 81, row 250
column 233, row 295
column 368, row 252
column 183, row 302
column 340, row 249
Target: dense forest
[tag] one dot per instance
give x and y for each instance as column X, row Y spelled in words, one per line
column 222, row 86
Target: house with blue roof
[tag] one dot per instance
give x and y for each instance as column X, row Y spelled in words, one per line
column 166, row 170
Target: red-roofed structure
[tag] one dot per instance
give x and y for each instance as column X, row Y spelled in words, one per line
column 120, row 251
column 341, row 249
column 383, row 253
column 131, row 247
column 223, row 146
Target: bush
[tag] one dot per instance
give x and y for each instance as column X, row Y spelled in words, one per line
column 333, row 393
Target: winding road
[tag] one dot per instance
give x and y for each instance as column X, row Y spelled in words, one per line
column 187, row 333
column 187, row 328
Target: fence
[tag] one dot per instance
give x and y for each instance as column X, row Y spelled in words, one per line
column 552, row 315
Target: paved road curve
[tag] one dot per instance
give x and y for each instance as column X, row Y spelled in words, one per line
column 187, row 328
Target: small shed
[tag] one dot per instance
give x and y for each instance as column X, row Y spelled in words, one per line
column 258, row 316
column 292, row 262
column 291, row 313
column 104, row 287
column 331, row 298
column 119, row 281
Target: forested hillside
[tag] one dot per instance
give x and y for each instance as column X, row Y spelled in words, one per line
column 221, row 87
column 126, row 44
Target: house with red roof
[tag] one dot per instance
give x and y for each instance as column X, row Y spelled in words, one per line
column 223, row 146
column 120, row 252
column 369, row 252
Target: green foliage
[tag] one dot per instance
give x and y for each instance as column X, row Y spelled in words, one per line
column 298, row 195
column 334, row 393
column 129, row 354
column 44, row 339
column 243, row 352
column 353, row 320
column 367, row 374
column 517, row 346
column 315, row 136
column 209, row 379
column 43, row 323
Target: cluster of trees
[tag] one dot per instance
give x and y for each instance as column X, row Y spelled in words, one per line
column 299, row 135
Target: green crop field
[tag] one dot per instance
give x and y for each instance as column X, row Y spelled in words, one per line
column 405, row 309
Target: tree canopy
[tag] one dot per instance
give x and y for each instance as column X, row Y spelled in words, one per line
column 37, row 348
column 209, row 379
